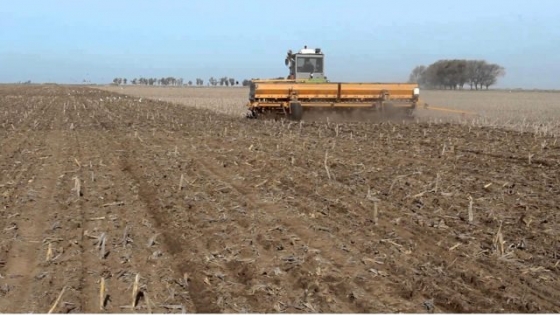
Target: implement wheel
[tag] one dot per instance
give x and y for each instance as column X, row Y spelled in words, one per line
column 251, row 114
column 296, row 111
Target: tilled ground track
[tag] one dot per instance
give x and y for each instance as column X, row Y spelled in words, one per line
column 221, row 214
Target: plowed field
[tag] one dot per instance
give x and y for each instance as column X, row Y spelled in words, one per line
column 216, row 213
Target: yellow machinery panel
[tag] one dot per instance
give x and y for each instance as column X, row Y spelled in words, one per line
column 336, row 92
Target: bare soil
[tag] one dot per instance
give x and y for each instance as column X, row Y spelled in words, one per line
column 531, row 111
column 216, row 213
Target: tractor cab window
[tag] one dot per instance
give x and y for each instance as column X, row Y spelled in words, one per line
column 310, row 64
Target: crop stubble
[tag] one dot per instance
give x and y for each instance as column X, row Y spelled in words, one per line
column 221, row 214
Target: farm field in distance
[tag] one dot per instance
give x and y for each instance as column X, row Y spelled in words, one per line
column 518, row 110
column 172, row 193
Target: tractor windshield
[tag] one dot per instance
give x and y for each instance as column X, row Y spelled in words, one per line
column 310, row 64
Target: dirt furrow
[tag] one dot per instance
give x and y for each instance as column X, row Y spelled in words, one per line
column 217, row 214
column 409, row 233
column 118, row 240
column 32, row 193
column 273, row 217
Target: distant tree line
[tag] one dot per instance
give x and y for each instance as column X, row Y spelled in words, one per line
column 171, row 81
column 149, row 81
column 453, row 74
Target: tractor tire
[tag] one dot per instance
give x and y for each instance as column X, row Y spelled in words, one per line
column 251, row 115
column 296, row 111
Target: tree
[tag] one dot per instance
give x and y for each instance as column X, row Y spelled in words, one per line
column 119, row 81
column 490, row 74
column 416, row 74
column 166, row 81
column 453, row 74
column 470, row 71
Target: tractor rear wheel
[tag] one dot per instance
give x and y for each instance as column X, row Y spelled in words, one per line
column 296, row 111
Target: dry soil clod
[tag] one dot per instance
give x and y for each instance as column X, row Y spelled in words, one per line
column 116, row 203
column 152, row 240
column 125, row 236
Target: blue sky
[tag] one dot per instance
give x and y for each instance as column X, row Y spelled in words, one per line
column 67, row 41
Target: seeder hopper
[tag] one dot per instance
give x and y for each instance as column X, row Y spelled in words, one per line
column 308, row 89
